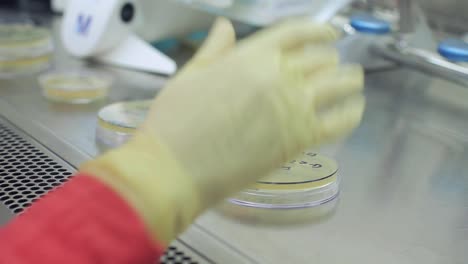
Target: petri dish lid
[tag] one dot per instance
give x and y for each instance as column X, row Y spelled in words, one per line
column 454, row 50
column 74, row 85
column 369, row 24
column 308, row 181
column 24, row 40
column 124, row 117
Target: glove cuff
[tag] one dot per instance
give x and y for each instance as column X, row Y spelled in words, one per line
column 147, row 176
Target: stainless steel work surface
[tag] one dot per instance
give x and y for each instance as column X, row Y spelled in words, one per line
column 404, row 173
column 404, row 192
column 5, row 214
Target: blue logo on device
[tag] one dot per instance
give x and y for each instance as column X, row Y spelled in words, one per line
column 82, row 24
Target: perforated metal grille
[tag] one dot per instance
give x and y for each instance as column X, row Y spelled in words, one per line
column 28, row 171
column 174, row 255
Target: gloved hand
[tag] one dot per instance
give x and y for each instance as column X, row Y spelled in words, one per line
column 233, row 115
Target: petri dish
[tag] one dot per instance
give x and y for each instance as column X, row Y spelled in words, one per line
column 24, row 49
column 118, row 122
column 74, row 87
column 302, row 191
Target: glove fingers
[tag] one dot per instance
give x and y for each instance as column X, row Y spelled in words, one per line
column 308, row 62
column 336, row 84
column 341, row 119
column 221, row 39
column 297, row 33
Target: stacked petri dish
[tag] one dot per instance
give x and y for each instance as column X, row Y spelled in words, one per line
column 302, row 191
column 118, row 122
column 24, row 49
column 76, row 87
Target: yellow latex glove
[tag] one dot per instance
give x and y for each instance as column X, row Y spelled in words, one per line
column 233, row 115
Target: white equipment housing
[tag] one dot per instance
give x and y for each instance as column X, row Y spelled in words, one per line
column 113, row 31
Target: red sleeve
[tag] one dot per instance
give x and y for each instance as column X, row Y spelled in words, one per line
column 82, row 222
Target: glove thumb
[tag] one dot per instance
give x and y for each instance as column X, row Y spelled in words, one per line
column 221, row 39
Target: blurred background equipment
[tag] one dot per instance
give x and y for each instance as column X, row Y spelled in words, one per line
column 27, row 5
column 58, row 5
column 114, row 31
column 447, row 15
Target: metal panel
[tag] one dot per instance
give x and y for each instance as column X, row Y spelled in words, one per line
column 443, row 15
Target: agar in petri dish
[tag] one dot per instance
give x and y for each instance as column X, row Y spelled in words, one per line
column 117, row 122
column 74, row 87
column 303, row 190
column 24, row 49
